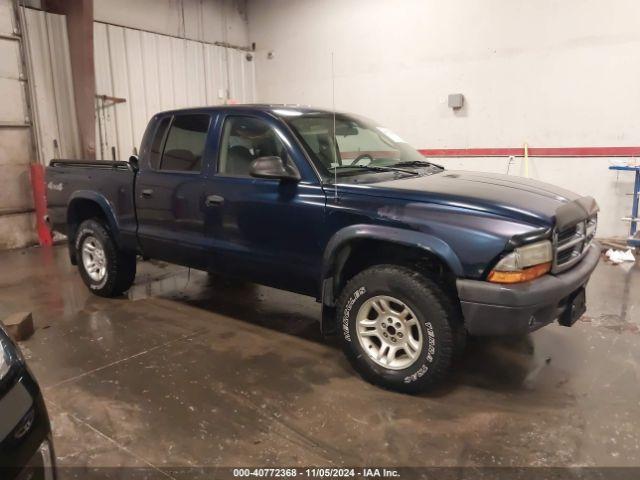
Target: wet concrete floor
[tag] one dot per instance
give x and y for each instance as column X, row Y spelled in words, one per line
column 192, row 372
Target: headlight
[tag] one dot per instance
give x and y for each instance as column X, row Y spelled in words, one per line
column 523, row 264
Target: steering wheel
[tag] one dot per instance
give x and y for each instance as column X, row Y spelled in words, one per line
column 362, row 157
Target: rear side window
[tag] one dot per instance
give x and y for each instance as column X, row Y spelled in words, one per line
column 185, row 143
column 156, row 146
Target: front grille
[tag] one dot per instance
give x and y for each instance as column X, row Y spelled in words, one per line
column 564, row 256
column 565, row 235
column 571, row 244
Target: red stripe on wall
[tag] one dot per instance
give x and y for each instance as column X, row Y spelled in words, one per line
column 533, row 152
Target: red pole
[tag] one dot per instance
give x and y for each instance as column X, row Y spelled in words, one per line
column 40, row 202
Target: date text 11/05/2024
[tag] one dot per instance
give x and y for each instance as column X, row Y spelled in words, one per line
column 316, row 472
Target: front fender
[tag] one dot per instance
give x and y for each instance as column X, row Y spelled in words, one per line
column 429, row 243
column 341, row 238
column 411, row 238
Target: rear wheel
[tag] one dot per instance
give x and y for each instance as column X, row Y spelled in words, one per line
column 107, row 271
column 396, row 328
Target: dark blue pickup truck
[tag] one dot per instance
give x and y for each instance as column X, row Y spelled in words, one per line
column 405, row 256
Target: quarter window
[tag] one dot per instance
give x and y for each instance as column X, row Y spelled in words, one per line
column 185, row 143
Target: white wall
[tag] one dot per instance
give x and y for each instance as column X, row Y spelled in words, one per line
column 154, row 72
column 550, row 73
column 140, row 55
column 203, row 20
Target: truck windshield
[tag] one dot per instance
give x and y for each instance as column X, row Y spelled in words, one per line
column 360, row 147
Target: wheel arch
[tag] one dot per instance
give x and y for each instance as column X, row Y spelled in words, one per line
column 83, row 205
column 349, row 251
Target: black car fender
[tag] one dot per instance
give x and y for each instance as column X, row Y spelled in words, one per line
column 105, row 207
column 333, row 257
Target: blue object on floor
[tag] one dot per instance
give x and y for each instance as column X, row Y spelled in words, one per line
column 633, row 240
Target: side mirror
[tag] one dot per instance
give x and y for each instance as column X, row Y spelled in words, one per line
column 134, row 162
column 274, row 167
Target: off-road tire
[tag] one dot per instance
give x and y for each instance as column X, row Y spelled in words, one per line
column 436, row 313
column 120, row 266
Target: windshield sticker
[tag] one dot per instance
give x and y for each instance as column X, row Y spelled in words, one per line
column 393, row 136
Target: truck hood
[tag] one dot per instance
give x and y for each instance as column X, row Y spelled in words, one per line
column 519, row 198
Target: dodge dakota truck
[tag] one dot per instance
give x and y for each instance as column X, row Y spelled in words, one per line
column 405, row 256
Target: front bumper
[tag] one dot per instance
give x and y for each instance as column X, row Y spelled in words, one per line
column 495, row 309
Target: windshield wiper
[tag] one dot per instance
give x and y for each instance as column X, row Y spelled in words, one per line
column 418, row 163
column 372, row 168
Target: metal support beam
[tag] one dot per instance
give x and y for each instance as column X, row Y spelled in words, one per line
column 9, row 37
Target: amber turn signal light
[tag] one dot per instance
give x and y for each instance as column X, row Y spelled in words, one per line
column 519, row 276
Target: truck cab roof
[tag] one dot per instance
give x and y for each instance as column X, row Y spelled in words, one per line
column 278, row 109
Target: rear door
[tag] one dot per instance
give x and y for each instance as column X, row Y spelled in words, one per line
column 170, row 189
column 264, row 230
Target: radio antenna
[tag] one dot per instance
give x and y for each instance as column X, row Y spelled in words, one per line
column 335, row 140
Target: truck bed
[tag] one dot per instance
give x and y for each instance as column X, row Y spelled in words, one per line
column 109, row 183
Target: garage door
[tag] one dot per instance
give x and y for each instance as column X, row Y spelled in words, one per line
column 140, row 73
column 17, row 221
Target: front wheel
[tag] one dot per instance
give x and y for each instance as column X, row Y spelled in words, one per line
column 107, row 271
column 396, row 328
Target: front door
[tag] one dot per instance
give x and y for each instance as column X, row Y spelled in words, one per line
column 265, row 230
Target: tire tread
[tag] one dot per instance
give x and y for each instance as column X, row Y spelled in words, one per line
column 440, row 301
column 121, row 265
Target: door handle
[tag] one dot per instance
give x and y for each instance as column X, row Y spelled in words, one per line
column 147, row 193
column 212, row 200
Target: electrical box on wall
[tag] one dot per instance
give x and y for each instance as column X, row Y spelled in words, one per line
column 456, row 100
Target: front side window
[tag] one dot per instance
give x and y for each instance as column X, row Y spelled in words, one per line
column 184, row 148
column 243, row 140
column 349, row 145
column 156, row 145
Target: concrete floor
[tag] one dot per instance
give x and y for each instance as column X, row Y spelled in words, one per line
column 186, row 372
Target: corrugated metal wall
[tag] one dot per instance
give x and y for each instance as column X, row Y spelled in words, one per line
column 17, row 221
column 53, row 107
column 150, row 72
